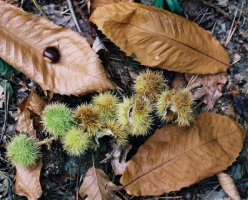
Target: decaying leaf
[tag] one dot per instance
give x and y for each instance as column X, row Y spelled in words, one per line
column 119, row 162
column 32, row 104
column 28, row 181
column 117, row 157
column 159, row 38
column 228, row 185
column 177, row 157
column 23, row 39
column 98, row 3
column 208, row 87
column 97, row 186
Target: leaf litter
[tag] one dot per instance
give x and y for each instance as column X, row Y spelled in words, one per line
column 196, row 188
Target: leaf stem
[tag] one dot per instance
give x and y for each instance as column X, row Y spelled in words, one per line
column 46, row 141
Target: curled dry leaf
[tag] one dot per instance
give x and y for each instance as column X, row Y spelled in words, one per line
column 118, row 157
column 118, row 161
column 23, row 39
column 97, row 186
column 28, row 181
column 228, row 185
column 33, row 104
column 177, row 157
column 159, row 38
column 208, row 87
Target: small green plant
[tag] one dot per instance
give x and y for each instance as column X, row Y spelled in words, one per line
column 57, row 119
column 76, row 141
column 148, row 85
column 23, row 151
column 88, row 118
column 105, row 104
column 176, row 104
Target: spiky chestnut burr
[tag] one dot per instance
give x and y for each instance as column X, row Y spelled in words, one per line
column 122, row 112
column 76, row 142
column 105, row 104
column 57, row 119
column 139, row 118
column 134, row 115
column 119, row 133
column 184, row 103
column 23, row 151
column 88, row 118
column 148, row 85
column 164, row 104
column 176, row 104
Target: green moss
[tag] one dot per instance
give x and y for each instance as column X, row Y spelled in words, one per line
column 57, row 119
column 76, row 141
column 22, row 151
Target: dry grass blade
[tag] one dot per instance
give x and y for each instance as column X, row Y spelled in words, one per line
column 24, row 37
column 177, row 157
column 228, row 185
column 159, row 38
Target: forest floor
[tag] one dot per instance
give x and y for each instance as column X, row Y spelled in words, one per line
column 62, row 175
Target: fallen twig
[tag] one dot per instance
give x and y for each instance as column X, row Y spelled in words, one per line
column 219, row 10
column 39, row 8
column 69, row 3
column 234, row 24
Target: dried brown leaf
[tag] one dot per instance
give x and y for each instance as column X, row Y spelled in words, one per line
column 162, row 39
column 208, row 87
column 32, row 104
column 177, row 157
column 179, row 81
column 24, row 37
column 97, row 186
column 118, row 162
column 28, row 181
column 228, row 185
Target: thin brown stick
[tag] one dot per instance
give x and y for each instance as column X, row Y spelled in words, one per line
column 219, row 10
column 233, row 28
column 211, row 192
column 69, row 3
column 46, row 141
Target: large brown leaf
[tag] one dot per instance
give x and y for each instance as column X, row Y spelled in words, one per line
column 97, row 186
column 177, row 157
column 161, row 39
column 23, row 38
column 28, row 181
